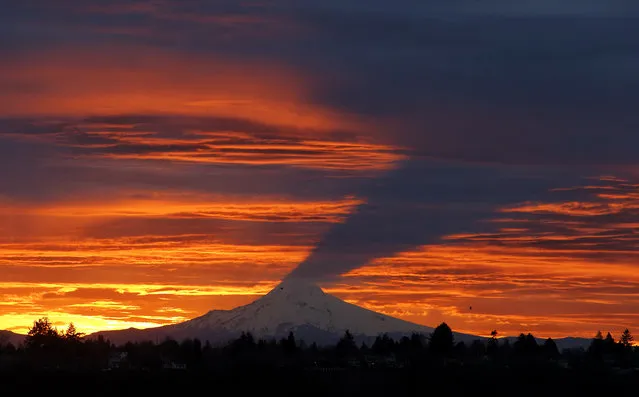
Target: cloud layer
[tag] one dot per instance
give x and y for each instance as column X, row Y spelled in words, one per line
column 160, row 158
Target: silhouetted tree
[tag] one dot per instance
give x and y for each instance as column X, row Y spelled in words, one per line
column 72, row 334
column 531, row 343
column 493, row 344
column 441, row 340
column 505, row 350
column 609, row 339
column 624, row 353
column 243, row 345
column 346, row 345
column 42, row 335
column 626, row 339
column 460, row 350
column 550, row 349
column 609, row 344
column 170, row 349
column 289, row 345
column 417, row 342
column 525, row 346
column 596, row 348
column 383, row 345
column 477, row 349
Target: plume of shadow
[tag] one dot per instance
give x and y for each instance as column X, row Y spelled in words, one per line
column 417, row 204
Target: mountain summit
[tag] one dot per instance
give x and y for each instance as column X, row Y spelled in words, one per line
column 293, row 305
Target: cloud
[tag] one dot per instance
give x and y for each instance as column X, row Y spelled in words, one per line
column 424, row 203
column 533, row 83
column 417, row 204
column 207, row 140
column 120, row 79
column 134, row 115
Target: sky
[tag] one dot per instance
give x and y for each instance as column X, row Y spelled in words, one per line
column 461, row 161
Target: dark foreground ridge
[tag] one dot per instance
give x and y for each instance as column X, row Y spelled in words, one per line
column 50, row 361
column 450, row 381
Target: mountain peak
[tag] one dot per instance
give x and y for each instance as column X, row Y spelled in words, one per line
column 295, row 305
column 300, row 289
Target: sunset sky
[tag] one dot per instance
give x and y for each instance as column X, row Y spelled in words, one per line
column 163, row 158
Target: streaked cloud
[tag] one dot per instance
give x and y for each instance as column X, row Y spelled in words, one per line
column 206, row 141
column 160, row 158
column 184, row 206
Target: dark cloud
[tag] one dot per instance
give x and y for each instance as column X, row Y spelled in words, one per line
column 155, row 230
column 419, row 204
column 39, row 158
column 482, row 86
column 517, row 90
column 35, row 174
column 532, row 82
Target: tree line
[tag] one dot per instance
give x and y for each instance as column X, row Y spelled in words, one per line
column 45, row 347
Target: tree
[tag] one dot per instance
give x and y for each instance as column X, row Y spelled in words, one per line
column 626, row 339
column 460, row 350
column 289, row 345
column 383, row 345
column 526, row 345
column 239, row 347
column 416, row 342
column 493, row 343
column 346, row 345
column 42, row 335
column 72, row 335
column 609, row 344
column 596, row 347
column 442, row 340
column 624, row 352
column 477, row 349
column 550, row 349
column 609, row 339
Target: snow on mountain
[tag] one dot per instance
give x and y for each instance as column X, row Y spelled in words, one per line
column 293, row 305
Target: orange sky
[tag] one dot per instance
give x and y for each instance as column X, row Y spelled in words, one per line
column 113, row 281
column 151, row 186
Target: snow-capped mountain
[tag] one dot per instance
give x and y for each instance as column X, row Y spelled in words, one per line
column 293, row 305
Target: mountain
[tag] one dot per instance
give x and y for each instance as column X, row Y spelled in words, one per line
column 567, row 343
column 11, row 337
column 293, row 305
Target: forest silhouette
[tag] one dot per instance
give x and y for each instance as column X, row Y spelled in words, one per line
column 496, row 364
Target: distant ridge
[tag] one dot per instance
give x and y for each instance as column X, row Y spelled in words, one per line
column 11, row 337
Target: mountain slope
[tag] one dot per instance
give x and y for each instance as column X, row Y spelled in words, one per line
column 11, row 337
column 293, row 305
column 303, row 308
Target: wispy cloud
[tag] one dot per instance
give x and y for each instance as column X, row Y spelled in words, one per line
column 432, row 153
